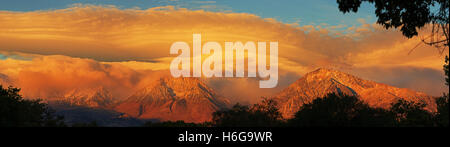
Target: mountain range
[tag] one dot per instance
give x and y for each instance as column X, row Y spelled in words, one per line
column 191, row 100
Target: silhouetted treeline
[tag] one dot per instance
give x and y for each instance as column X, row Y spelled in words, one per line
column 259, row 115
column 335, row 110
column 348, row 111
column 18, row 112
column 330, row 111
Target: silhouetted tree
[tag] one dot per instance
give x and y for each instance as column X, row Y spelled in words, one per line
column 268, row 107
column 264, row 114
column 340, row 110
column 18, row 112
column 411, row 114
column 442, row 116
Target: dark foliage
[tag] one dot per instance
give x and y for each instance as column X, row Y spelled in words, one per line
column 408, row 15
column 442, row 115
column 265, row 114
column 18, row 112
column 347, row 111
column 342, row 111
column 411, row 114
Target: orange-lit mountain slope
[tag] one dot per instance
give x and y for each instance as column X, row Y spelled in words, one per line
column 322, row 81
column 169, row 98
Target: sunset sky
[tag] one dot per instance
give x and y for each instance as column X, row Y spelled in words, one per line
column 49, row 45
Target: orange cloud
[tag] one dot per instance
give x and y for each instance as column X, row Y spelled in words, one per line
column 111, row 34
column 52, row 76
